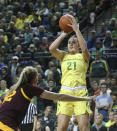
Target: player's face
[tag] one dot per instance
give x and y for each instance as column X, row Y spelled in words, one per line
column 73, row 45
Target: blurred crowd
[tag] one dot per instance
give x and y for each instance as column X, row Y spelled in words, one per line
column 27, row 28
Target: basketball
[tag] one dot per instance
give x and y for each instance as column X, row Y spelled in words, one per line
column 64, row 20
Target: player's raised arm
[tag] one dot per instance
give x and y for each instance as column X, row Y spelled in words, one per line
column 59, row 54
column 80, row 38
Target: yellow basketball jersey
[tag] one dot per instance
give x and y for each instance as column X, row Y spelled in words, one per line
column 74, row 69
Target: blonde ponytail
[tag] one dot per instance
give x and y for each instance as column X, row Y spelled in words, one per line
column 27, row 76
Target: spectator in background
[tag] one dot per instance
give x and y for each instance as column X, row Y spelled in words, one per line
column 114, row 98
column 46, row 118
column 18, row 51
column 6, row 76
column 36, row 42
column 19, row 70
column 56, row 74
column 39, row 125
column 32, row 50
column 97, row 48
column 104, row 102
column 91, row 42
column 19, row 22
column 14, row 19
column 3, row 88
column 114, row 127
column 39, row 69
column 111, row 25
column 107, row 40
column 102, row 32
column 45, row 44
column 51, row 86
column 98, row 123
column 28, row 36
column 99, row 68
column 41, row 103
column 50, row 76
column 16, row 41
column 4, row 54
column 41, row 81
column 3, row 43
column 74, row 125
column 3, row 24
column 35, row 63
column 12, row 67
column 38, row 101
column 2, row 32
column 94, row 90
column 26, row 25
column 108, row 88
column 8, row 16
column 111, row 120
column 42, row 32
column 11, row 31
column 30, row 17
column 50, row 65
column 43, row 10
column 113, row 83
column 70, row 9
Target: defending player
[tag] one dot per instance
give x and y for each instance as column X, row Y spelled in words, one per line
column 17, row 100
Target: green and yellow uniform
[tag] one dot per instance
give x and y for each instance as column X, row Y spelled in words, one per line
column 74, row 69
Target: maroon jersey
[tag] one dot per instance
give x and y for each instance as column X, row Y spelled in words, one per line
column 14, row 107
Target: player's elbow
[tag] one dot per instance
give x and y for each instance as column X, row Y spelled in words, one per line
column 51, row 49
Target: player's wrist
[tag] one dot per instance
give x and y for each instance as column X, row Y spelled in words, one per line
column 63, row 34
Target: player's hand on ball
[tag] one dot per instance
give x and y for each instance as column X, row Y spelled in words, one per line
column 74, row 24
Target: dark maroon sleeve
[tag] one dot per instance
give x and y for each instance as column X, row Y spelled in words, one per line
column 33, row 90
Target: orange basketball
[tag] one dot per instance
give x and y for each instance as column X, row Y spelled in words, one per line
column 64, row 20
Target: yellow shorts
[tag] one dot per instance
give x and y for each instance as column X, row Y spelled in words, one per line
column 4, row 127
column 78, row 108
